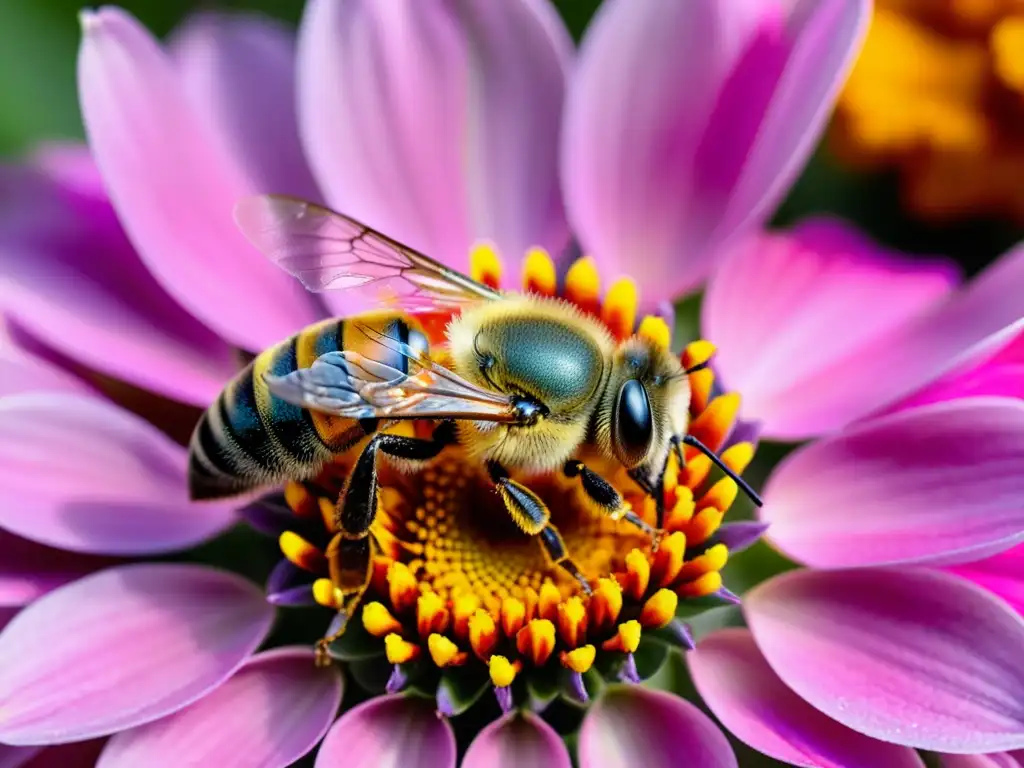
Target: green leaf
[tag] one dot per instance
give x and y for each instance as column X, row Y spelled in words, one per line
column 650, row 657
column 462, row 687
column 543, row 686
column 372, row 675
column 356, row 644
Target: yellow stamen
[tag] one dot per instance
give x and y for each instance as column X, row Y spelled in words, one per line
column 399, row 651
column 539, row 273
column 712, row 426
column 503, row 672
column 656, row 331
column 431, row 615
column 703, row 586
column 402, row 587
column 378, row 620
column 536, row 641
column 619, row 308
column 626, row 640
column 485, row 265
column 483, row 633
column 326, row 508
column 738, row 457
column 462, row 611
column 605, row 604
column 682, row 509
column 572, row 621
column 638, row 574
column 712, row 560
column 550, row 597
column 579, row 659
column 513, row 615
column 326, row 595
column 668, row 561
column 444, row 652
column 659, row 609
column 704, row 525
column 299, row 500
column 583, row 284
column 720, row 496
column 1007, row 44
column 302, row 553
column 697, row 353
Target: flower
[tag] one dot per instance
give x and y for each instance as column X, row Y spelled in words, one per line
column 905, row 511
column 441, row 129
column 936, row 95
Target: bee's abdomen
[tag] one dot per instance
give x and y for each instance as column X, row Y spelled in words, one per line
column 249, row 438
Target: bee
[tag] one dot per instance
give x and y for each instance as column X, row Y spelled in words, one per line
column 521, row 382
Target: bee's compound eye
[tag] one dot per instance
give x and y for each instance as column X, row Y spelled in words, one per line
column 633, row 427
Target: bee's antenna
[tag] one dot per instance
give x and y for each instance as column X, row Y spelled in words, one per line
column 693, row 441
column 697, row 367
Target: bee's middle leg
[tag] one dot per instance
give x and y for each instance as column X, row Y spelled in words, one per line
column 534, row 519
column 351, row 551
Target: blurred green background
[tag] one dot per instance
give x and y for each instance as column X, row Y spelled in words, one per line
column 38, row 44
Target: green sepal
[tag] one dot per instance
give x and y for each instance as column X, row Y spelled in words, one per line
column 356, row 644
column 650, row 657
column 462, row 687
column 543, row 687
column 371, row 675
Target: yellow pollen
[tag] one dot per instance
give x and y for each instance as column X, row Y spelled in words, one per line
column 572, row 621
column 326, row 594
column 605, row 604
column 378, row 620
column 659, row 609
column 485, row 265
column 463, row 609
column 513, row 614
column 619, row 308
column 399, row 651
column 402, row 587
column 536, row 641
column 638, row 574
column 579, row 659
column 503, row 672
column 539, row 273
column 583, row 284
column 550, row 597
column 444, row 652
column 483, row 634
column 656, row 331
column 431, row 615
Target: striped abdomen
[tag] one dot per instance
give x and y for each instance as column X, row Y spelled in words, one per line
column 249, row 438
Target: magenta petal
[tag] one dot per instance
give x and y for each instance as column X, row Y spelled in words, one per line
column 22, row 372
column 271, row 712
column 751, row 701
column 994, row 760
column 1001, row 574
column 123, row 647
column 791, row 312
column 914, row 657
column 631, row 724
column 73, row 280
column 79, row 473
column 15, row 757
column 29, row 570
column 175, row 186
column 679, row 128
column 937, row 484
column 438, row 124
column 240, row 72
column 517, row 740
column 389, row 730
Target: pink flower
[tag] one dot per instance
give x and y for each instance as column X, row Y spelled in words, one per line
column 907, row 512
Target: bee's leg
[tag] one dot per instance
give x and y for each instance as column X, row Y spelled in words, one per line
column 534, row 519
column 603, row 494
column 350, row 554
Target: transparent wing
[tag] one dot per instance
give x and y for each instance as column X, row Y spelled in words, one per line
column 354, row 386
column 329, row 251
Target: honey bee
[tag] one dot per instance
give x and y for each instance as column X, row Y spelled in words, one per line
column 522, row 382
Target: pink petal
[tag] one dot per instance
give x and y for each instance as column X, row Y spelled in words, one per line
column 517, row 740
column 123, row 647
column 81, row 474
column 629, row 726
column 686, row 124
column 1001, row 574
column 914, row 657
column 74, row 281
column 438, row 124
column 271, row 712
column 389, row 730
column 21, row 371
column 239, row 70
column 790, row 313
column 15, row 757
column 29, row 570
column 994, row 760
column 749, row 699
column 937, row 484
column 175, row 186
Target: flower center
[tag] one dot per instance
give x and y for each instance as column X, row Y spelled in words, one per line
column 456, row 583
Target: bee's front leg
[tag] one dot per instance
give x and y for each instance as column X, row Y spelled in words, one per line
column 604, row 495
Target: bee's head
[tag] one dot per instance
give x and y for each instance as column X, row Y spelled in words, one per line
column 645, row 403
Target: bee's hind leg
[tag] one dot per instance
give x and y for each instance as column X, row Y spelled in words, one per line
column 534, row 519
column 350, row 553
column 604, row 495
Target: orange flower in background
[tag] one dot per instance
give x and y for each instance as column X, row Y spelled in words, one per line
column 938, row 94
